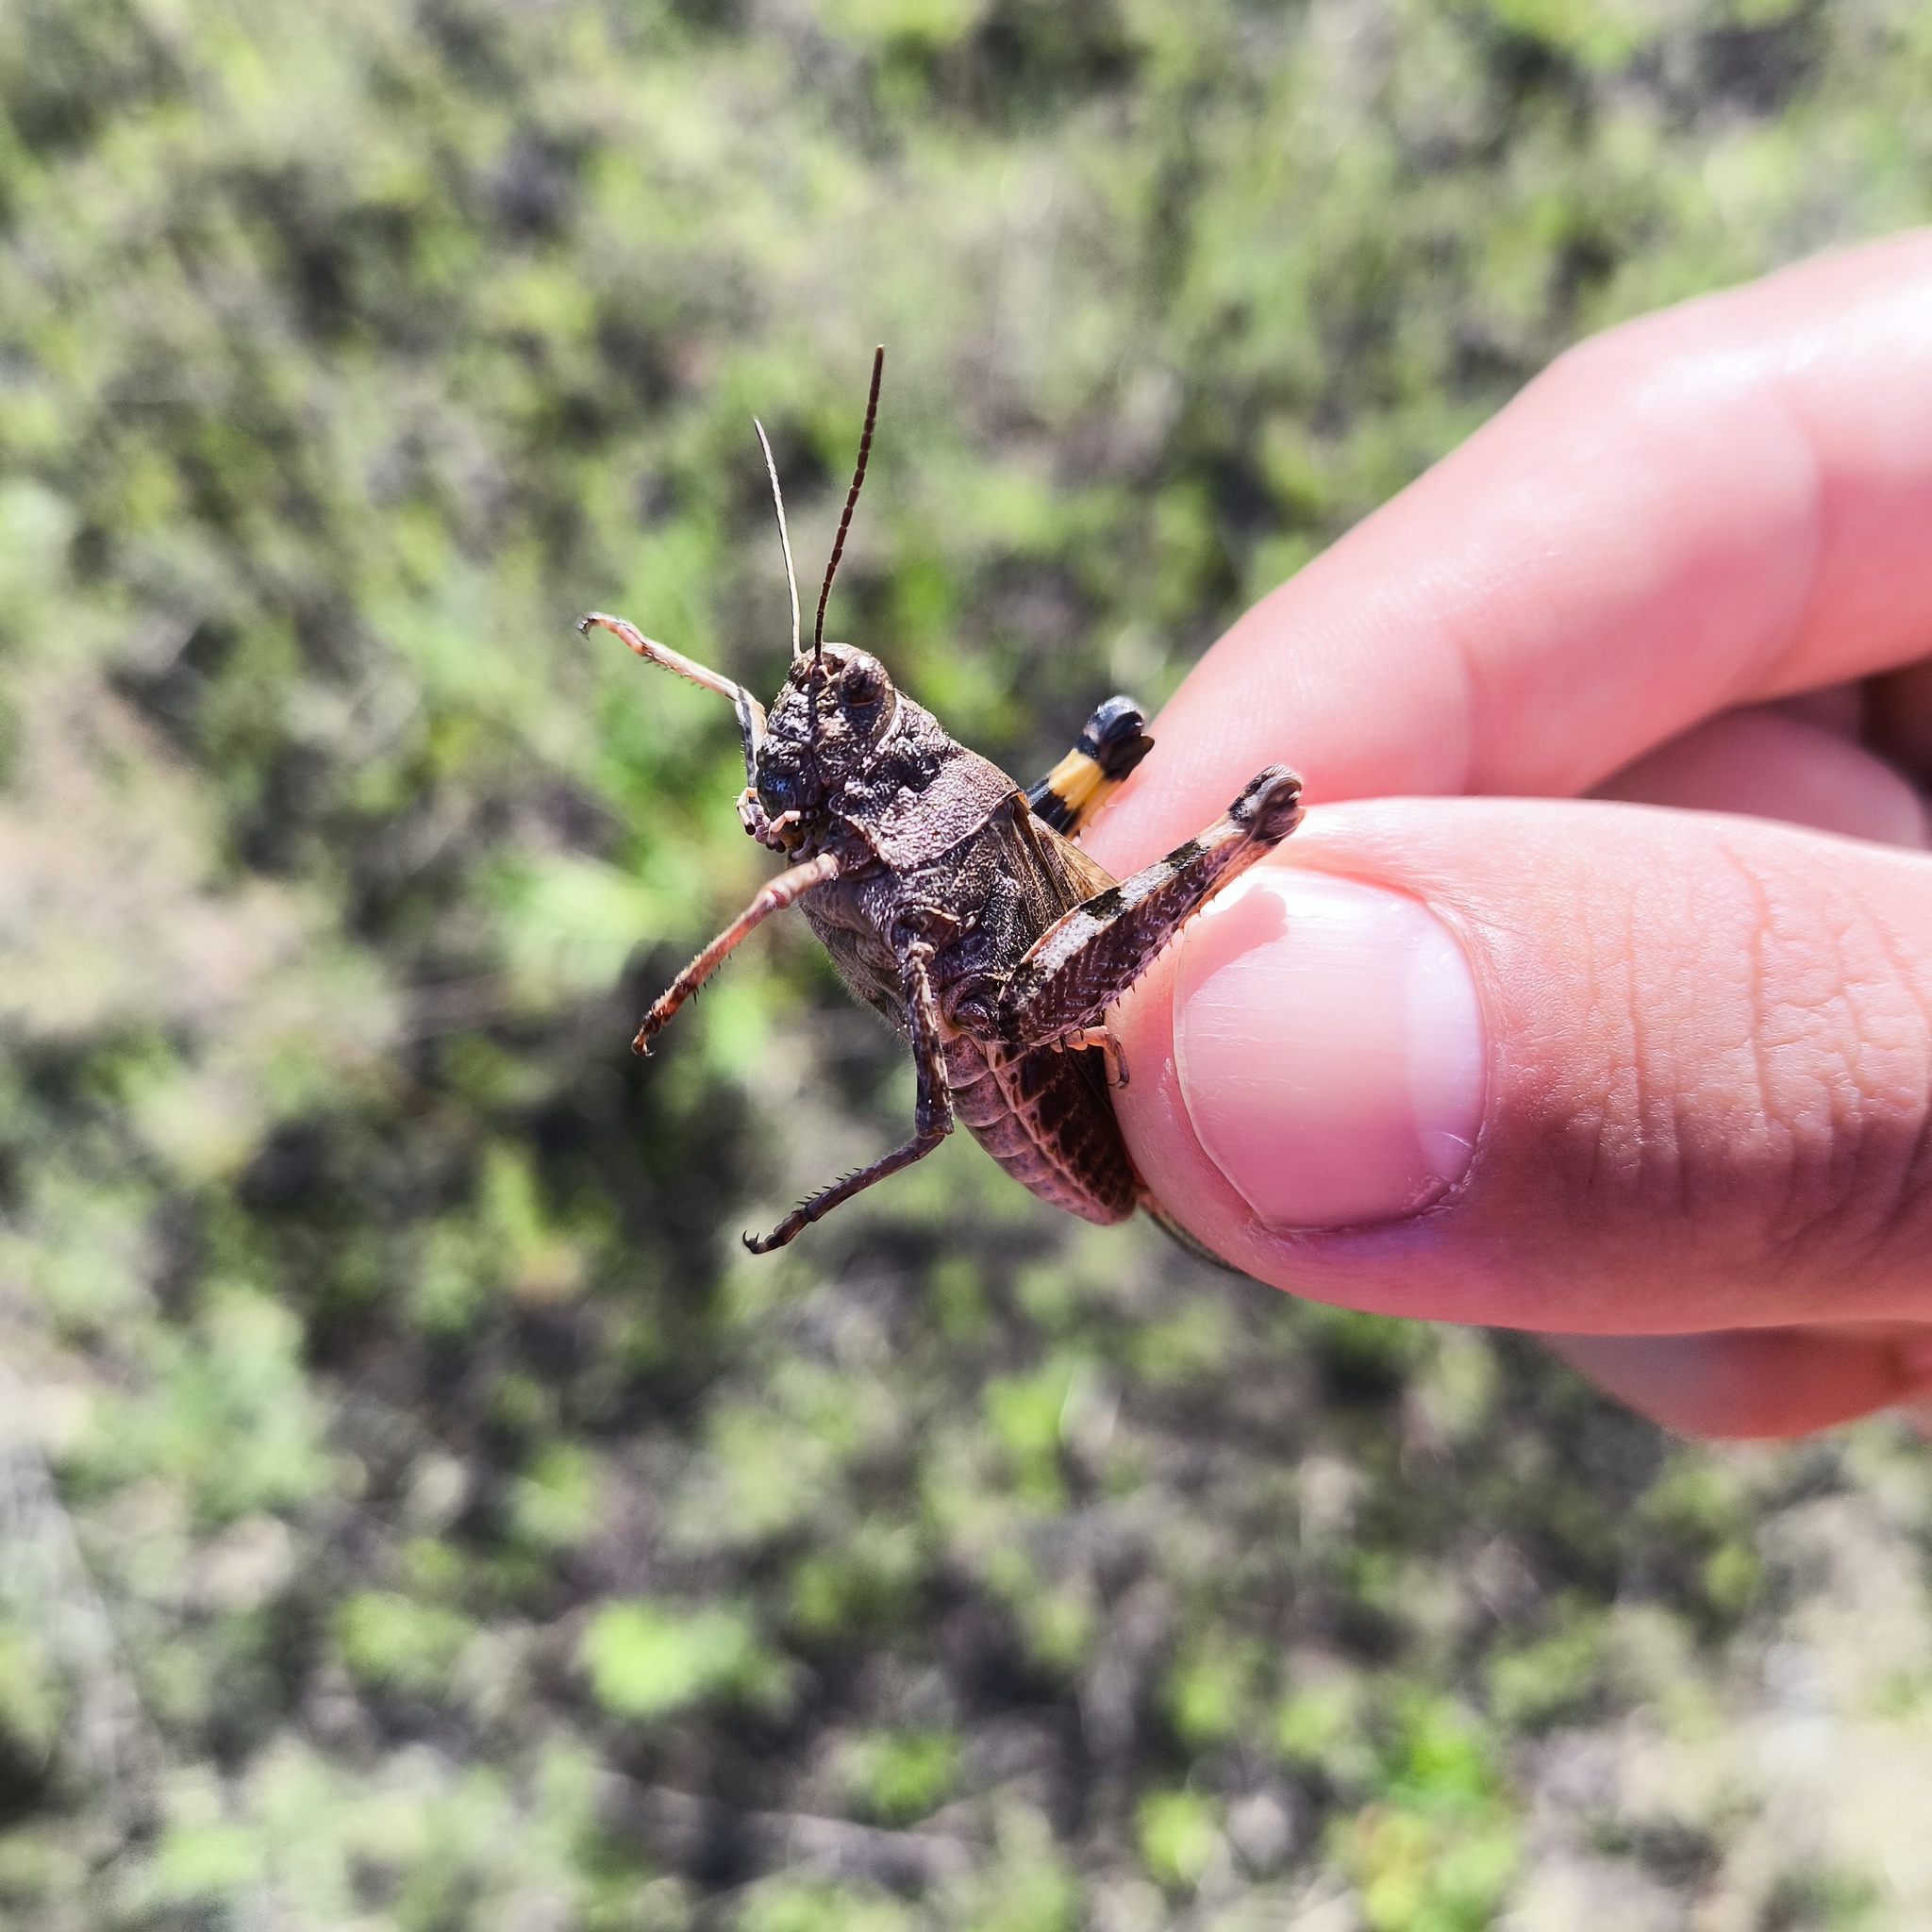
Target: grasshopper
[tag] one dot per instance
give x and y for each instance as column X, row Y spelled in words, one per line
column 957, row 904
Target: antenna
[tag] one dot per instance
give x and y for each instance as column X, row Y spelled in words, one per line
column 872, row 412
column 783, row 535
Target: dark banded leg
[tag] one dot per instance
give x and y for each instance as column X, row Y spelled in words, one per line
column 782, row 891
column 1110, row 744
column 932, row 1117
column 1087, row 959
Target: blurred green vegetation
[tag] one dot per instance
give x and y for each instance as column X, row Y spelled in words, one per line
column 415, row 1511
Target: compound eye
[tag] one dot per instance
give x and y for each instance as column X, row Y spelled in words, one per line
column 777, row 789
column 862, row 682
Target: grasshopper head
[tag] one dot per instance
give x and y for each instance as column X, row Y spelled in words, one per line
column 836, row 708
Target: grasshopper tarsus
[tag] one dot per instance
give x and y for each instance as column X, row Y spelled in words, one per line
column 846, row 1186
column 1103, row 1040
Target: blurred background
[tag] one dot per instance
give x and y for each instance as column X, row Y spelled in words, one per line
column 416, row 1511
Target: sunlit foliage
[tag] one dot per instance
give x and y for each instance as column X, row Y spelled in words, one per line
column 415, row 1511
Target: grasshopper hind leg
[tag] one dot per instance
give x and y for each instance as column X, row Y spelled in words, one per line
column 1089, row 957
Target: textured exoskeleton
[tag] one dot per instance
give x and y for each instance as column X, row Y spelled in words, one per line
column 957, row 906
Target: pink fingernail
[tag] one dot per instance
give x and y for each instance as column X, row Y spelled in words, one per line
column 1330, row 1048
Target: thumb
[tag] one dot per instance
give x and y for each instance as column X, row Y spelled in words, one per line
column 1586, row 1067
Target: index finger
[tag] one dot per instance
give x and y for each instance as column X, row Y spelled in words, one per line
column 1726, row 501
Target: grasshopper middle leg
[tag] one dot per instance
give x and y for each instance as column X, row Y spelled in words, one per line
column 932, row 1117
column 1088, row 956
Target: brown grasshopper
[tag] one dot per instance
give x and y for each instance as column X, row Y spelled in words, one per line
column 957, row 906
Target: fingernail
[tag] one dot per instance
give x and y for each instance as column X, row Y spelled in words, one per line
column 1330, row 1048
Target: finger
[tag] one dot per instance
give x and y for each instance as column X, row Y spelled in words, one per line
column 1839, row 708
column 1899, row 717
column 1587, row 1068
column 1767, row 1382
column 1772, row 766
column 1743, row 1383
column 1723, row 502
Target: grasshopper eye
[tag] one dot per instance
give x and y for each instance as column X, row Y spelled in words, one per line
column 862, row 682
column 777, row 788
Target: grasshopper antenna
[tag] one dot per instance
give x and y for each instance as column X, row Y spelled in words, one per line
column 783, row 535
column 871, row 413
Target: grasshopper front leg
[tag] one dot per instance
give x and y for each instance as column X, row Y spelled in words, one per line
column 1089, row 957
column 784, row 891
column 750, row 713
column 932, row 1117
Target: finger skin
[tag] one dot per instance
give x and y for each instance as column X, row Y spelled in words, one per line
column 1747, row 1384
column 1777, row 767
column 1796, row 762
column 1709, row 1076
column 1723, row 502
column 1899, row 710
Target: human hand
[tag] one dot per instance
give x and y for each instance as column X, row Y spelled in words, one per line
column 1657, row 1083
